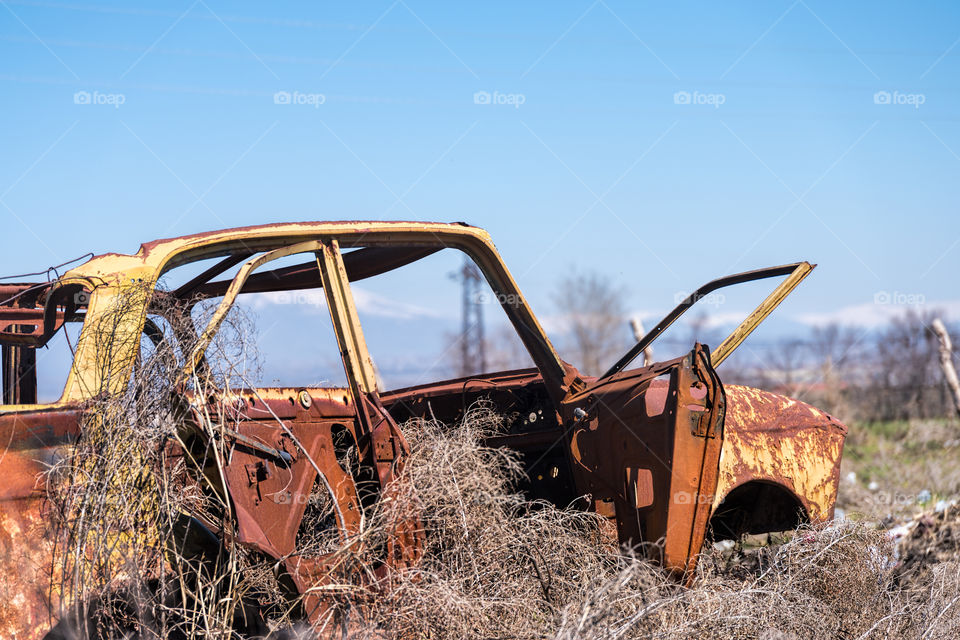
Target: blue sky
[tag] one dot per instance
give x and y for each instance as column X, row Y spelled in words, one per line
column 661, row 144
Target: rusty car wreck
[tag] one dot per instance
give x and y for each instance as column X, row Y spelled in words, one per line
column 667, row 451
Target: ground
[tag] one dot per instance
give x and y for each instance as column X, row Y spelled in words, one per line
column 892, row 471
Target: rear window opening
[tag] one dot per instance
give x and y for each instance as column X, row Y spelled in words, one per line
column 39, row 329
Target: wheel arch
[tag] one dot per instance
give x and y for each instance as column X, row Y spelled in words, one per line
column 756, row 506
column 774, row 441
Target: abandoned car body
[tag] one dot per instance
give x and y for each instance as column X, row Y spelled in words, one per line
column 665, row 450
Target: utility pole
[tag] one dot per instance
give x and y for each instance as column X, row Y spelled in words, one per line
column 473, row 354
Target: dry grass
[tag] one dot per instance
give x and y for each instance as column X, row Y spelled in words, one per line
column 495, row 565
column 498, row 566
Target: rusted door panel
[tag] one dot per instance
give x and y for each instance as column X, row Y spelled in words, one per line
column 648, row 441
column 270, row 495
column 276, row 446
column 278, row 440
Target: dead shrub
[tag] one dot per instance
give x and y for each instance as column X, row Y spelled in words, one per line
column 498, row 565
column 494, row 564
column 125, row 565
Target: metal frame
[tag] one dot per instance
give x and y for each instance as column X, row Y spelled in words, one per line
column 109, row 276
column 797, row 272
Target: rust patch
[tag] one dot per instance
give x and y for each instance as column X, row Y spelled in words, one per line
column 773, row 438
column 27, row 604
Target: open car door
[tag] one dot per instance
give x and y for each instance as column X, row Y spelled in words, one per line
column 646, row 444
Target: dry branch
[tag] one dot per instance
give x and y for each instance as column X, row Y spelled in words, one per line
column 946, row 361
column 636, row 325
